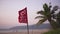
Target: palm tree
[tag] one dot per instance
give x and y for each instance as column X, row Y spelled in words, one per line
column 47, row 14
column 58, row 19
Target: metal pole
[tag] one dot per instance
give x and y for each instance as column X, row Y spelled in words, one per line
column 27, row 29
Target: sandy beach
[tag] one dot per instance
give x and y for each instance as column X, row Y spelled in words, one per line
column 25, row 32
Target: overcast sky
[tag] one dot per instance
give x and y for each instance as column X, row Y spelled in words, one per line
column 9, row 11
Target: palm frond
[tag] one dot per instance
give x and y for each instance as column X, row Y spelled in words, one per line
column 45, row 7
column 53, row 16
column 58, row 18
column 50, row 6
column 39, row 17
column 40, row 12
column 58, row 15
column 52, row 12
column 41, row 21
column 55, row 8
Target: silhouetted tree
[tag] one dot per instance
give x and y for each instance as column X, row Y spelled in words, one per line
column 47, row 14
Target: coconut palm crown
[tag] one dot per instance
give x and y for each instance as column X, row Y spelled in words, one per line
column 47, row 14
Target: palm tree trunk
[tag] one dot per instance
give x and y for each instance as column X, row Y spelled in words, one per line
column 49, row 19
column 52, row 23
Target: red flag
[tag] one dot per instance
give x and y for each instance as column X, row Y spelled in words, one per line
column 23, row 16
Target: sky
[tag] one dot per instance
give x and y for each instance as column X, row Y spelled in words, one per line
column 9, row 11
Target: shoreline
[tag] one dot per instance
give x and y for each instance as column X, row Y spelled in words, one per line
column 25, row 31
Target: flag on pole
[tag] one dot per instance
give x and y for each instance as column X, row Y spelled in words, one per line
column 22, row 18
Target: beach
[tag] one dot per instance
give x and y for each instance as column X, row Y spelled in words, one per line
column 36, row 31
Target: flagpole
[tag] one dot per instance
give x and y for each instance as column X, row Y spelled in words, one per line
column 27, row 28
column 27, row 23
